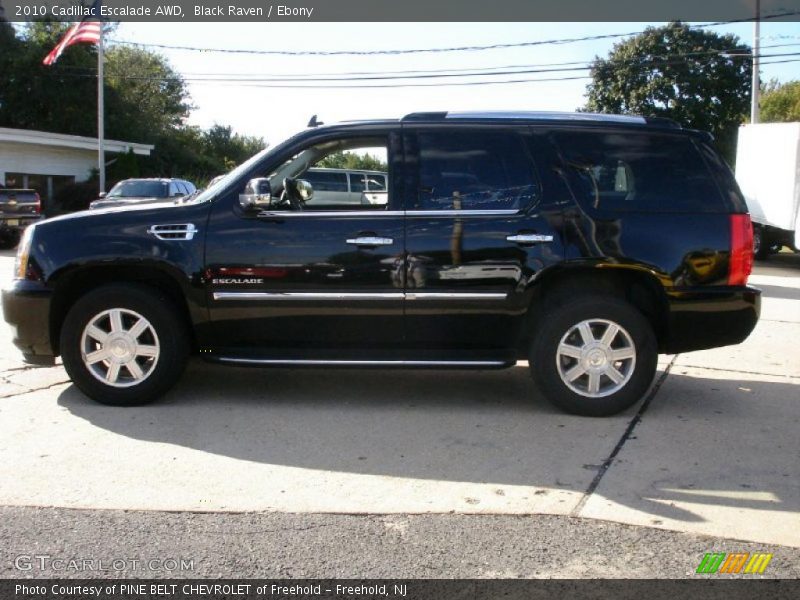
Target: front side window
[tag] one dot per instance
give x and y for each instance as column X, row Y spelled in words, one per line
column 326, row 167
column 376, row 183
column 474, row 170
column 621, row 171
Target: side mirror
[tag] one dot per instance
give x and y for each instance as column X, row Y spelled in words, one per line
column 304, row 189
column 102, row 194
column 257, row 194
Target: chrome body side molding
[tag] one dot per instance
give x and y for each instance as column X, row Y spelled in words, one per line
column 280, row 296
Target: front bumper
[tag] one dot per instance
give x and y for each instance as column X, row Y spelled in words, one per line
column 26, row 306
column 710, row 317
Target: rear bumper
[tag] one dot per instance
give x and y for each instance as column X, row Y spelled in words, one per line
column 18, row 222
column 711, row 317
column 26, row 307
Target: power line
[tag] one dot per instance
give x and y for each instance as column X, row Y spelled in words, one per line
column 675, row 59
column 474, row 48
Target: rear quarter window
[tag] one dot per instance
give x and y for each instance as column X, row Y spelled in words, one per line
column 638, row 172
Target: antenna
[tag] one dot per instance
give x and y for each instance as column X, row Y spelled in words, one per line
column 314, row 123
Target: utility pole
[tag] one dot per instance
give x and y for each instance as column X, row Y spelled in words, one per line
column 756, row 93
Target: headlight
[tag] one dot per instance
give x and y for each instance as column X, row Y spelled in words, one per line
column 23, row 254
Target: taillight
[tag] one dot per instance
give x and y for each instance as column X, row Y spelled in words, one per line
column 741, row 261
column 38, row 208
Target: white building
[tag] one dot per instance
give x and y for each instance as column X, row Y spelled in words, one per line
column 47, row 161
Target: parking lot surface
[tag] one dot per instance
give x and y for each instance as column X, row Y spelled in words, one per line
column 713, row 451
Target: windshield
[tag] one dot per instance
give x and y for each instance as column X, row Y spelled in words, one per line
column 139, row 189
column 233, row 175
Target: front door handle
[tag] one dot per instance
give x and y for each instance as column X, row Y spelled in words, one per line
column 529, row 238
column 370, row 240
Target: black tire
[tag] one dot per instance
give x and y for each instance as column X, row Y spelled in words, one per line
column 761, row 245
column 171, row 337
column 560, row 315
column 9, row 239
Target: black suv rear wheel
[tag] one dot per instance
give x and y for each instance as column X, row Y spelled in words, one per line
column 124, row 344
column 593, row 356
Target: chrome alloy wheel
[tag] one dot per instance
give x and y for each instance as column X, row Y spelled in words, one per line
column 120, row 347
column 596, row 358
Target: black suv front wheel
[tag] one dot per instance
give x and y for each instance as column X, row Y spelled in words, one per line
column 124, row 344
column 593, row 356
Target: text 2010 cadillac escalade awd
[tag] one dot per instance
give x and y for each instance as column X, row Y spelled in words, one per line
column 586, row 244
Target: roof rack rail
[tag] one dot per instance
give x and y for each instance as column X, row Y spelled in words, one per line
column 663, row 122
column 425, row 116
column 544, row 116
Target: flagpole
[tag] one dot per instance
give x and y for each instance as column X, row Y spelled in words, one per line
column 101, row 149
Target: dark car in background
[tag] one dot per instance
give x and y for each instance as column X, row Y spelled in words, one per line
column 19, row 208
column 143, row 191
column 584, row 244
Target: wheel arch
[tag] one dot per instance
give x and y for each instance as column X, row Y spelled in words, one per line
column 635, row 284
column 74, row 283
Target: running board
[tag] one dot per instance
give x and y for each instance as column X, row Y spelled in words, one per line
column 434, row 364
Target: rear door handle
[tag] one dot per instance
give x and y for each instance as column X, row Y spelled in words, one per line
column 369, row 240
column 529, row 238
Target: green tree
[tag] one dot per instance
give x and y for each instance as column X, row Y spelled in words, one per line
column 780, row 102
column 34, row 96
column 146, row 100
column 228, row 149
column 699, row 78
column 143, row 83
column 144, row 96
column 353, row 160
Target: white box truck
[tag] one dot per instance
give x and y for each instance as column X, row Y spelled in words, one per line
column 768, row 172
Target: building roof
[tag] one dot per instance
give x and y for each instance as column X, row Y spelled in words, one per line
column 61, row 140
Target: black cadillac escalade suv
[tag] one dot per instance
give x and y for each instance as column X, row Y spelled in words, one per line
column 586, row 244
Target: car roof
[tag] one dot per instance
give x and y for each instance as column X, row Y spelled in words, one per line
column 532, row 117
column 159, row 179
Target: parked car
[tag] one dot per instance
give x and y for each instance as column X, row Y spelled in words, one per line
column 144, row 191
column 19, row 208
column 346, row 187
column 586, row 244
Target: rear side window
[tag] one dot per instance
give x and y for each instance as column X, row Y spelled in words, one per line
column 474, row 170
column 327, row 181
column 631, row 171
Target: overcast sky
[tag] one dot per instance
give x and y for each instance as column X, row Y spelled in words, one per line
column 277, row 113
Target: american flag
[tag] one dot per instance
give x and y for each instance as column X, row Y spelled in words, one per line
column 85, row 31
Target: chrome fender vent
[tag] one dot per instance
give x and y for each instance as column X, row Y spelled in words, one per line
column 180, row 231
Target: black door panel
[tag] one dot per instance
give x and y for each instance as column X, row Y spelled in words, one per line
column 476, row 234
column 297, row 282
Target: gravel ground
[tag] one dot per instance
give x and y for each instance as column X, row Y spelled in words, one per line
column 281, row 545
